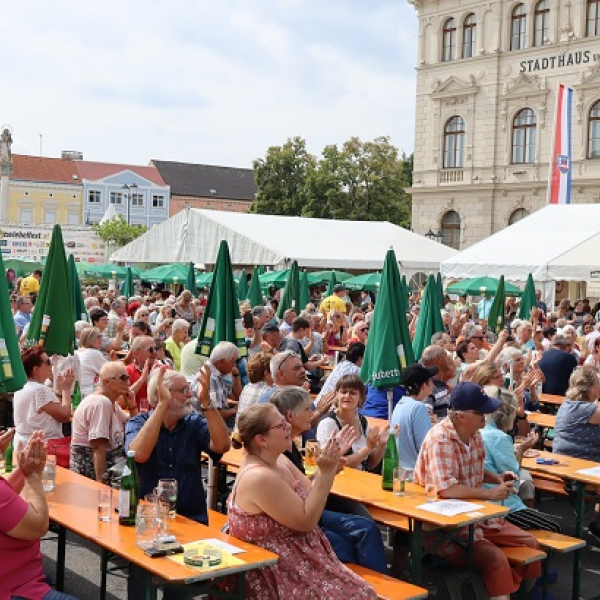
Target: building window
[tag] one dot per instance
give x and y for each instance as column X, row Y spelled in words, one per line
column 454, row 143
column 137, row 200
column 469, row 36
column 451, row 229
column 26, row 215
column 94, row 196
column 592, row 27
column 73, row 217
column 540, row 23
column 517, row 215
column 518, row 27
column 449, row 40
column 594, row 131
column 116, row 198
column 158, row 201
column 523, row 137
column 49, row 216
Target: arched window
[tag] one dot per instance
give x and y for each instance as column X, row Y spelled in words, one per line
column 592, row 27
column 469, row 27
column 449, row 40
column 594, row 131
column 517, row 215
column 518, row 28
column 417, row 281
column 523, row 137
column 454, row 143
column 541, row 22
column 451, row 229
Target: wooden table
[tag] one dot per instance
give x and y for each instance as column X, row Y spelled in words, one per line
column 74, row 506
column 366, row 488
column 551, row 399
column 568, row 468
column 542, row 419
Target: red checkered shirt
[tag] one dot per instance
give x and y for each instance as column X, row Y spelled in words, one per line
column 445, row 461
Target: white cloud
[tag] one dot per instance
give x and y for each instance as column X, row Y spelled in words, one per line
column 213, row 81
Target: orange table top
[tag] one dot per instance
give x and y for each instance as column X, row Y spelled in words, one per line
column 542, row 419
column 567, row 467
column 74, row 505
column 551, row 399
column 366, row 489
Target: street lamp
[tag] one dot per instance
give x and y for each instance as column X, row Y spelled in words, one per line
column 434, row 237
column 128, row 191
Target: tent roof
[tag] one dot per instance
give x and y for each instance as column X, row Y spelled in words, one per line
column 556, row 242
column 194, row 235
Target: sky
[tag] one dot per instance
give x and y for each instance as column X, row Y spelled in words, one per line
column 205, row 81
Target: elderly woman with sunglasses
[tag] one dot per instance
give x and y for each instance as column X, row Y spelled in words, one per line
column 501, row 455
column 36, row 407
column 91, row 359
column 99, row 423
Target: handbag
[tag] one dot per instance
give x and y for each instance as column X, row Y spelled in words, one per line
column 61, row 448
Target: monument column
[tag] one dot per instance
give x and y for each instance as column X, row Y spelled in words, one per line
column 6, row 169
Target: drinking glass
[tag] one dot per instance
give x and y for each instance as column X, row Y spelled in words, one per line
column 162, row 511
column 430, row 493
column 399, row 481
column 104, row 503
column 49, row 474
column 167, row 490
column 310, row 456
column 146, row 526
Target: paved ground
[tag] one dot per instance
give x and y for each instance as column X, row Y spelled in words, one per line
column 83, row 564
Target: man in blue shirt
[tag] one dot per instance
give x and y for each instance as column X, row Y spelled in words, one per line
column 411, row 415
column 168, row 443
column 484, row 306
column 23, row 315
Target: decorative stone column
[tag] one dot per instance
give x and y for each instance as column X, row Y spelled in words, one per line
column 6, row 169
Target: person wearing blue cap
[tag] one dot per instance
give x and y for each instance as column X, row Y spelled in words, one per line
column 451, row 460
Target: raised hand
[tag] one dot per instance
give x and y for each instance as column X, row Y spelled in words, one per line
column 345, row 438
column 329, row 456
column 5, row 438
column 65, row 380
column 33, row 458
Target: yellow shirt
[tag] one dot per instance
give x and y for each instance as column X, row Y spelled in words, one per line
column 332, row 303
column 29, row 285
column 175, row 349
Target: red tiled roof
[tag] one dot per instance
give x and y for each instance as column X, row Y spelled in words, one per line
column 98, row 170
column 40, row 168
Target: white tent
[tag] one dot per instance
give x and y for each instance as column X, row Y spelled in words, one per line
column 195, row 234
column 558, row 242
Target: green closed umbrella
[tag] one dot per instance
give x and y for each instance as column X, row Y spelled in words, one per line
column 255, row 295
column 172, row 274
column 243, row 287
column 221, row 321
column 368, row 281
column 12, row 373
column 290, row 297
column 331, row 285
column 79, row 311
column 319, row 277
column 304, row 290
column 440, row 286
column 52, row 324
column 128, row 289
column 479, row 285
column 497, row 312
column 389, row 350
column 528, row 300
column 430, row 318
column 190, row 282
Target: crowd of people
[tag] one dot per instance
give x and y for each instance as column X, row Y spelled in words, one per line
column 459, row 416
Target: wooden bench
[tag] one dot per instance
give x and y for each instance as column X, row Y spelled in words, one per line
column 522, row 555
column 550, row 484
column 389, row 588
column 389, row 519
column 556, row 541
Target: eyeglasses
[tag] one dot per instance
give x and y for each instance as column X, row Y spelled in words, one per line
column 151, row 349
column 282, row 425
column 362, row 329
column 290, row 355
column 184, row 390
column 122, row 378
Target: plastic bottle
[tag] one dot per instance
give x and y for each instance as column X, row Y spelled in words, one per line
column 76, row 396
column 8, row 458
column 390, row 462
column 129, row 492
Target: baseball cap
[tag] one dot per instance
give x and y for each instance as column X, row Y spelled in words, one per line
column 339, row 288
column 269, row 328
column 416, row 375
column 470, row 396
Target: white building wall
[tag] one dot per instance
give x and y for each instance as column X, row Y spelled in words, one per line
column 487, row 91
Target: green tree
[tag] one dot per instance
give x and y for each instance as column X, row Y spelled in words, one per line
column 281, row 178
column 117, row 231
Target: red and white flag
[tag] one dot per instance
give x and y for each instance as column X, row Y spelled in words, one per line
column 559, row 185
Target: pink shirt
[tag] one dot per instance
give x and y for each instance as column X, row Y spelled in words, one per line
column 21, row 569
column 99, row 418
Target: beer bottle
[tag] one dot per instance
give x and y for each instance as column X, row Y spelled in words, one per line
column 390, row 462
column 129, row 492
column 76, row 396
column 8, row 458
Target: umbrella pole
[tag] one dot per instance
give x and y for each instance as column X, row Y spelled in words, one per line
column 390, row 399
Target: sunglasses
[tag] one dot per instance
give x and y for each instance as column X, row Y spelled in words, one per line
column 151, row 349
column 122, row 378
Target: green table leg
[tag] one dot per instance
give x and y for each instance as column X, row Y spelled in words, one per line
column 241, row 587
column 60, row 558
column 470, row 548
column 150, row 593
column 103, row 572
column 579, row 510
column 416, row 549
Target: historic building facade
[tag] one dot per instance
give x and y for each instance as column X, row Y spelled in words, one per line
column 487, row 79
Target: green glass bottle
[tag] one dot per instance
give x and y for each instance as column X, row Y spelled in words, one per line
column 8, row 458
column 76, row 396
column 129, row 492
column 390, row 462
